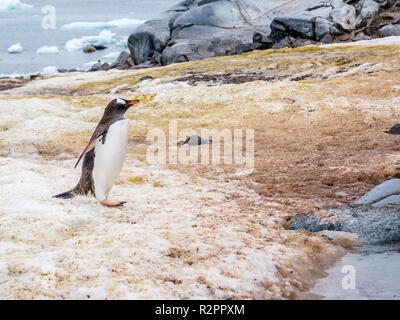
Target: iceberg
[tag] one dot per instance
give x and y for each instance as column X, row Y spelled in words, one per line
column 13, row 5
column 104, row 37
column 50, row 70
column 15, row 48
column 119, row 23
column 48, row 50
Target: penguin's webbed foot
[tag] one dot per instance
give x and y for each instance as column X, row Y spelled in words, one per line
column 112, row 204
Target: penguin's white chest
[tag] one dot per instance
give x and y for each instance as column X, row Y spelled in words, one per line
column 109, row 158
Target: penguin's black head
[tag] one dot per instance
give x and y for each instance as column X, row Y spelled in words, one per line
column 117, row 108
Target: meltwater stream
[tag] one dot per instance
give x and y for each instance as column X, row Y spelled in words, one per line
column 376, row 270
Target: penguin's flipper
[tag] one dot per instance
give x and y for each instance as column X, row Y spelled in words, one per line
column 92, row 144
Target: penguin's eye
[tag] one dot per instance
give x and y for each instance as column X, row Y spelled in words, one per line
column 121, row 103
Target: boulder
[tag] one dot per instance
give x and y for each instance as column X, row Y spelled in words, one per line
column 89, row 48
column 197, row 29
column 344, row 18
column 380, row 192
column 367, row 11
column 390, row 30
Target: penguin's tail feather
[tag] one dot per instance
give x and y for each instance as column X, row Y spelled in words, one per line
column 66, row 195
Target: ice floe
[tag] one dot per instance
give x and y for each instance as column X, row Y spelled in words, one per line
column 15, row 48
column 48, row 50
column 13, row 5
column 105, row 37
column 118, row 23
column 50, row 70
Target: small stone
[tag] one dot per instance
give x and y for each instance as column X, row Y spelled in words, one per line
column 147, row 77
column 194, row 140
column 394, row 130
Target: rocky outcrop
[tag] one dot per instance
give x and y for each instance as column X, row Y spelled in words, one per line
column 197, row 29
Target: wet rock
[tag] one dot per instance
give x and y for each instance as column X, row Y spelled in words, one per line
column 62, row 70
column 367, row 10
column 194, row 140
column 390, row 30
column 344, row 17
column 395, row 129
column 372, row 225
column 89, row 48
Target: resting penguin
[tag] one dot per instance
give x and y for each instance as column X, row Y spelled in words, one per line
column 104, row 155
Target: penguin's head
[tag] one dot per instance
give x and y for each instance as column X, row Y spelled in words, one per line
column 117, row 108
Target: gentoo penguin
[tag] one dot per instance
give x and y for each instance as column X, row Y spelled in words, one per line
column 104, row 155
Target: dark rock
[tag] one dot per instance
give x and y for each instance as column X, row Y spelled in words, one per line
column 395, row 129
column 34, row 76
column 195, row 140
column 122, row 58
column 390, row 30
column 367, row 11
column 99, row 46
column 61, row 70
column 150, row 37
column 301, row 25
column 96, row 66
column 147, row 77
column 89, row 48
column 105, row 66
column 73, row 70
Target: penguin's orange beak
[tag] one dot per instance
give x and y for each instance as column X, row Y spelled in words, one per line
column 132, row 102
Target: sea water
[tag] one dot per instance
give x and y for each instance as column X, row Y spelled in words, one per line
column 76, row 22
column 369, row 272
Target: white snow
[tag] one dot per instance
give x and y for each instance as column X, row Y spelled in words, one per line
column 13, row 5
column 48, row 50
column 118, row 23
column 15, row 48
column 105, row 37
